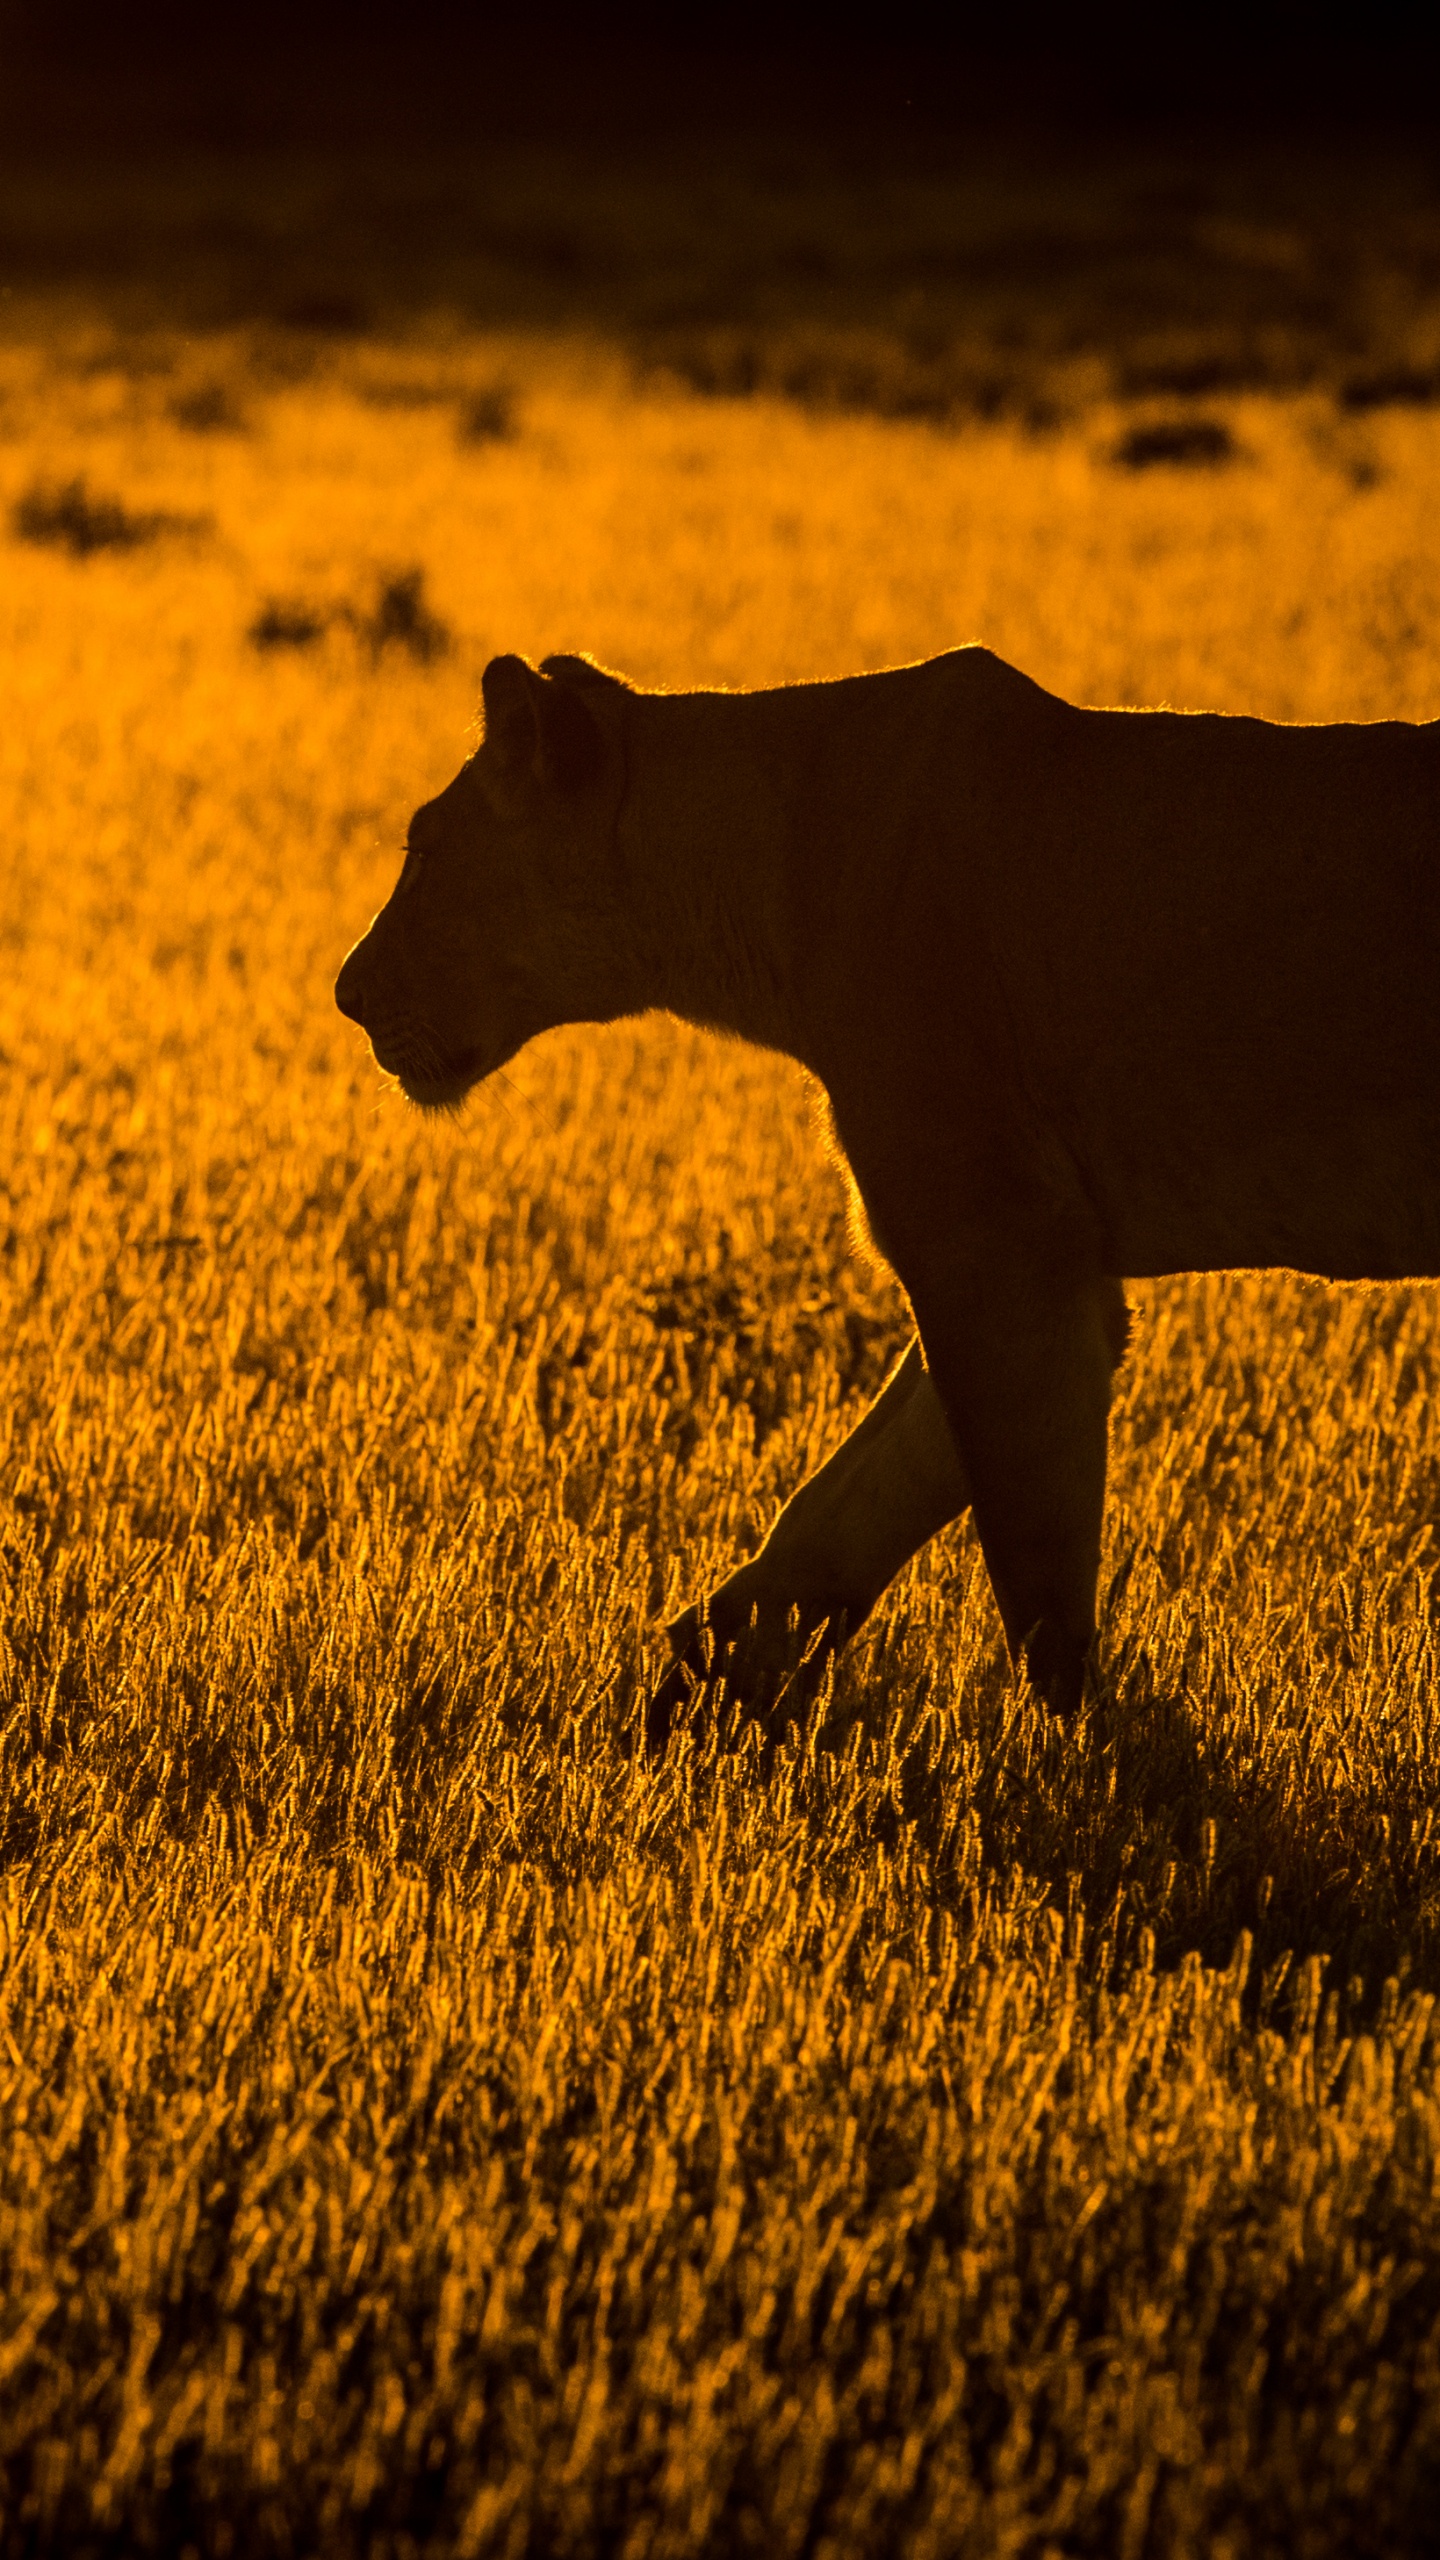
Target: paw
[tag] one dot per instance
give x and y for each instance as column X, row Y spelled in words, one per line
column 764, row 1662
column 675, row 1698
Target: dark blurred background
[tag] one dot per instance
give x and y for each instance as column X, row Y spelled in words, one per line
column 945, row 212
column 157, row 72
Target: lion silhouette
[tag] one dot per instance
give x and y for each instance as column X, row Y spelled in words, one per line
column 1091, row 994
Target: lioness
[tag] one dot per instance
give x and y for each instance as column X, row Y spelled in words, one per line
column 1090, row 993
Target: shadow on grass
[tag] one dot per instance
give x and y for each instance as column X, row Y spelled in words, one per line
column 1174, row 1817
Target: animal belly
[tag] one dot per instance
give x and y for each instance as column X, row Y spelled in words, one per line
column 1359, row 1200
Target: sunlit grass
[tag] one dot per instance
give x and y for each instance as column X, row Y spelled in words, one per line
column 427, row 2125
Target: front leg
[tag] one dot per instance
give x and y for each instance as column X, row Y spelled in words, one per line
column 832, row 1550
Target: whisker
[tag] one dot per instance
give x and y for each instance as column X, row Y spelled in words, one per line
column 551, row 1127
column 491, row 1092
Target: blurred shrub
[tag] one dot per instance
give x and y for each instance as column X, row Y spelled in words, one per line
column 852, row 372
column 1399, row 386
column 1187, row 441
column 208, row 408
column 70, row 517
column 399, row 618
column 287, row 623
column 491, row 416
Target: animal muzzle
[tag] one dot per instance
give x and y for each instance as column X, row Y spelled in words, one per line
column 350, row 991
column 404, row 1045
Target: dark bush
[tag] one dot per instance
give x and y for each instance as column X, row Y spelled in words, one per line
column 1400, row 386
column 210, row 408
column 401, row 619
column 1187, row 441
column 1201, row 373
column 864, row 372
column 70, row 517
column 287, row 623
column 489, row 417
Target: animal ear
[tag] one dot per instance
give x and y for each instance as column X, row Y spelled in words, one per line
column 539, row 728
column 572, row 750
column 512, row 728
column 583, row 671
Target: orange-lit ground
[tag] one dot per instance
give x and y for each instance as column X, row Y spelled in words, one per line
column 422, row 2118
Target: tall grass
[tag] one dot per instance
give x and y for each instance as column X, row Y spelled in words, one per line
column 428, row 2126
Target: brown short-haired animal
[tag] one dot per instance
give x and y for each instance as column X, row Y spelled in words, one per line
column 1091, row 994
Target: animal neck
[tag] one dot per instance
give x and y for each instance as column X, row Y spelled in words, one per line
column 705, row 841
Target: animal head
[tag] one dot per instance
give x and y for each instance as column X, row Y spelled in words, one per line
column 507, row 917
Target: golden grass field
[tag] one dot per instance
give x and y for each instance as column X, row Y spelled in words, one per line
column 428, row 2127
